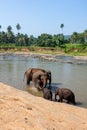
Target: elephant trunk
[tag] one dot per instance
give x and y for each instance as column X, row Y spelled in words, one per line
column 24, row 76
column 44, row 83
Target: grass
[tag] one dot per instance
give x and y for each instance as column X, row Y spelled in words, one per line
column 76, row 49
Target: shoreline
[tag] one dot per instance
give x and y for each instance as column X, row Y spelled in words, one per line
column 21, row 110
column 42, row 54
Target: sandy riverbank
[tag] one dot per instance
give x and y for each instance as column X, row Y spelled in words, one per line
column 20, row 110
column 81, row 57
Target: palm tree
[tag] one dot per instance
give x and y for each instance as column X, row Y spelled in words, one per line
column 62, row 26
column 0, row 26
column 85, row 31
column 74, row 37
column 9, row 28
column 10, row 35
column 85, row 35
column 0, row 33
column 18, row 26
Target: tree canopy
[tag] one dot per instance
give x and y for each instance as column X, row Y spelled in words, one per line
column 44, row 40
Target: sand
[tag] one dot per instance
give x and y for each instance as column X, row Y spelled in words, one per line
column 20, row 110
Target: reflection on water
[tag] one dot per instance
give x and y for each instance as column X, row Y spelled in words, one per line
column 72, row 76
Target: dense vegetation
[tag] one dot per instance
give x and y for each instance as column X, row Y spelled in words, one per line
column 75, row 42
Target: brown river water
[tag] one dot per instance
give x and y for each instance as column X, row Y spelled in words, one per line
column 72, row 74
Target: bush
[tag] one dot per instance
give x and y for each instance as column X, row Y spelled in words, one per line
column 75, row 48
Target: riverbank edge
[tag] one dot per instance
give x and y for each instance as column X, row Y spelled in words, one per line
column 21, row 110
column 44, row 56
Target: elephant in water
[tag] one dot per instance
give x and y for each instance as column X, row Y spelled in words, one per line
column 47, row 94
column 38, row 76
column 66, row 94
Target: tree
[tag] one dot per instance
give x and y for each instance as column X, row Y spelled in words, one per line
column 85, row 31
column 32, row 40
column 0, row 33
column 0, row 26
column 9, row 28
column 62, row 26
column 26, row 39
column 44, row 40
column 10, row 35
column 85, row 36
column 18, row 27
column 18, row 38
column 74, row 37
column 4, row 37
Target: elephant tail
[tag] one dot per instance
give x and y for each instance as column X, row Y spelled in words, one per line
column 24, row 76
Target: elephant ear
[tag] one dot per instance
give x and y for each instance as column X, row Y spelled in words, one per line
column 49, row 72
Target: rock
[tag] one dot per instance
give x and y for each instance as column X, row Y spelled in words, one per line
column 20, row 110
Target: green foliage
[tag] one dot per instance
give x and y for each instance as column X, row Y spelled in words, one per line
column 9, row 28
column 19, row 41
column 18, row 26
column 46, row 40
column 7, row 46
column 77, row 38
column 32, row 48
column 75, row 48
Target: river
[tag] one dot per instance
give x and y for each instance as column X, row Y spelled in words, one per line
column 64, row 74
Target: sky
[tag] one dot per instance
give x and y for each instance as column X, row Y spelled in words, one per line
column 44, row 16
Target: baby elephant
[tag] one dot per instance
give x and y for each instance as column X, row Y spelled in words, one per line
column 47, row 94
column 66, row 94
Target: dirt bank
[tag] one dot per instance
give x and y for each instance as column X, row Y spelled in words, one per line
column 20, row 110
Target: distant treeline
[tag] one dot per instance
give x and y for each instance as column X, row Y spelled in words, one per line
column 44, row 40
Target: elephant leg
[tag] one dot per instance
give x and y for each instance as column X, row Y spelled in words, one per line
column 68, row 101
column 55, row 97
column 73, row 101
column 51, row 96
column 60, row 99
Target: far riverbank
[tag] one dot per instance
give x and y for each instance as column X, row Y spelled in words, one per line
column 44, row 55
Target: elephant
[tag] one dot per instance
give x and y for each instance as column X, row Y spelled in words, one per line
column 37, row 75
column 66, row 94
column 47, row 94
column 39, row 79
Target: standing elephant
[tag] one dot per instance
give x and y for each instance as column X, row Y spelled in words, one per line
column 66, row 94
column 38, row 77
